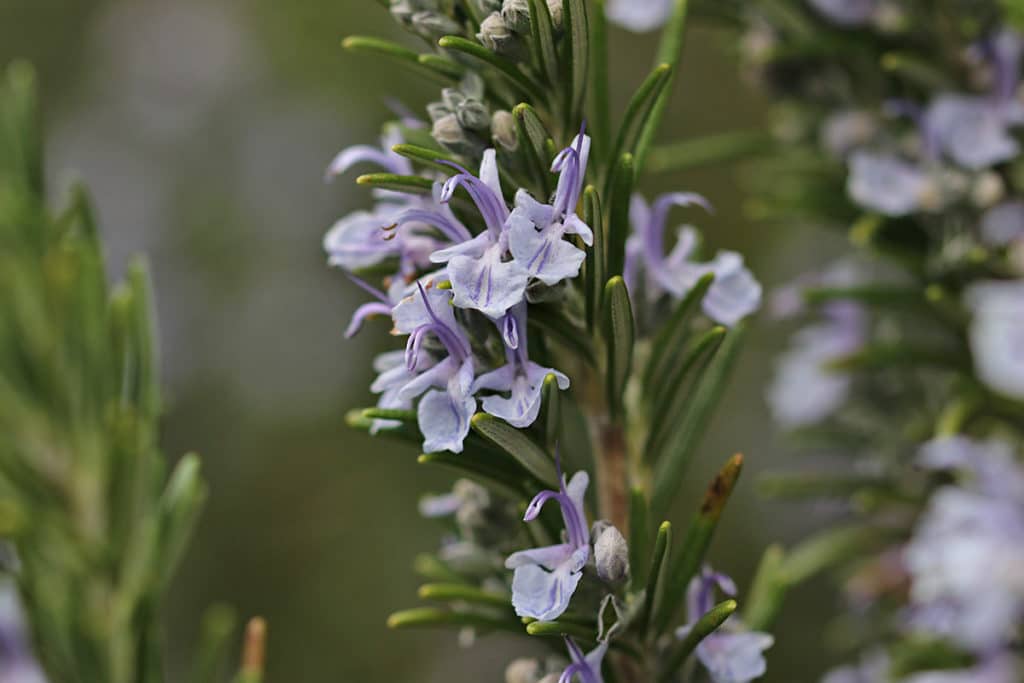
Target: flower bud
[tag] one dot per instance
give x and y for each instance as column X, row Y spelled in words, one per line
column 496, row 36
column 448, row 132
column 611, row 553
column 516, row 14
column 432, row 25
column 473, row 115
column 988, row 189
column 503, row 130
column 523, row 671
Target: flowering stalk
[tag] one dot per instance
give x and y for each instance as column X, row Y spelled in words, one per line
column 533, row 285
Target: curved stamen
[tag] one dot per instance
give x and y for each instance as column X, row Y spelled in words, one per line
column 453, row 230
column 457, row 347
column 368, row 288
column 491, row 206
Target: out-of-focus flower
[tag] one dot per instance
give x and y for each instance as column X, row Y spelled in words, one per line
column 545, row 578
column 846, row 130
column 731, row 654
column 17, row 663
column 1003, row 223
column 733, row 295
column 846, row 12
column 873, row 668
column 966, row 558
column 639, row 16
column 994, row 669
column 886, row 184
column 997, row 334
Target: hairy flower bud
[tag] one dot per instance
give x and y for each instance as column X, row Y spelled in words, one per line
column 448, row 132
column 496, row 36
column 432, row 25
column 473, row 115
column 611, row 553
column 516, row 14
column 503, row 130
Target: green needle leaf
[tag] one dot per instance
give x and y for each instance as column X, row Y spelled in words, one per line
column 479, row 469
column 697, row 540
column 639, row 538
column 831, row 548
column 429, row 617
column 461, row 592
column 577, row 34
column 682, row 441
column 705, row 626
column 560, row 629
column 767, row 590
column 619, row 331
column 552, row 399
column 639, row 109
column 409, row 184
column 620, row 198
column 379, row 47
column 594, row 274
column 505, row 67
column 601, row 107
column 710, row 150
column 542, row 31
column 670, row 51
column 390, row 414
column 517, row 444
column 179, row 509
column 671, row 336
column 533, row 138
column 656, row 575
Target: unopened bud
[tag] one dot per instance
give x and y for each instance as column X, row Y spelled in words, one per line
column 496, row 36
column 474, row 115
column 447, row 131
column 503, row 130
column 516, row 14
column 432, row 25
column 611, row 553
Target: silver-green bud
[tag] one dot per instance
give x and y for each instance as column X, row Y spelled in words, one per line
column 496, row 36
column 474, row 115
column 611, row 553
column 503, row 130
column 516, row 14
column 433, row 26
column 448, row 132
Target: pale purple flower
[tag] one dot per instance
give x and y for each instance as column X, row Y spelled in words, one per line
column 520, row 378
column 1003, row 224
column 733, row 295
column 382, row 156
column 872, row 668
column 975, row 130
column 846, row 12
column 17, row 662
column 639, row 16
column 885, row 183
column 484, row 277
column 393, row 374
column 447, row 402
column 997, row 334
column 847, row 130
column 732, row 654
column 994, row 669
column 538, row 231
column 804, row 390
column 545, row 578
column 966, row 558
column 585, row 668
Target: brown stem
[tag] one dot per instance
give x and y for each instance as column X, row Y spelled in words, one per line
column 613, row 474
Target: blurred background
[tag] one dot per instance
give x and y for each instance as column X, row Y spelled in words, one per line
column 203, row 128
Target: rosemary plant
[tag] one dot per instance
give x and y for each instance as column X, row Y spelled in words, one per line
column 93, row 522
column 564, row 350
